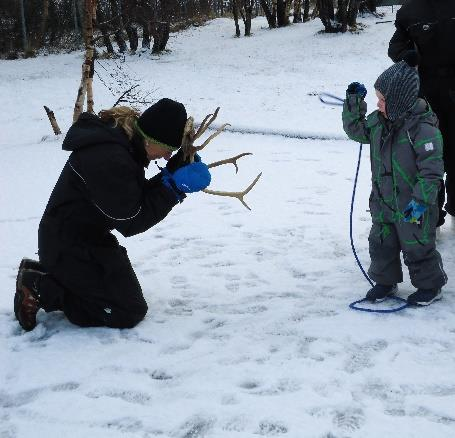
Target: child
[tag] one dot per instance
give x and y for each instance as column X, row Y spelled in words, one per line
column 407, row 170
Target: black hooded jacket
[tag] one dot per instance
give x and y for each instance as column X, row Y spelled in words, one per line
column 429, row 27
column 102, row 187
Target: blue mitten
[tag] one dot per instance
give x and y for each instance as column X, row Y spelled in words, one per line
column 413, row 212
column 356, row 88
column 187, row 179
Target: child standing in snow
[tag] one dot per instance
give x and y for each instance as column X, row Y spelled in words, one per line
column 407, row 170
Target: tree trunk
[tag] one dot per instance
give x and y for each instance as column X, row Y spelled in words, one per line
column 133, row 37
column 85, row 88
column 352, row 13
column 160, row 32
column 248, row 12
column 235, row 12
column 327, row 16
column 271, row 18
column 145, row 36
column 306, row 10
column 342, row 15
column 44, row 18
column 297, row 11
column 53, row 120
column 118, row 25
column 104, row 30
column 23, row 26
column 127, row 13
column 74, row 10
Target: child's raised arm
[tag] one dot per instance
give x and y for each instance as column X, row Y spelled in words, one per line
column 354, row 111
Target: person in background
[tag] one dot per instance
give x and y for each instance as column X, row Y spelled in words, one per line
column 82, row 269
column 425, row 29
column 407, row 170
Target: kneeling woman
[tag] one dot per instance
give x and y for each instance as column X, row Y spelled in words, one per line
column 82, row 270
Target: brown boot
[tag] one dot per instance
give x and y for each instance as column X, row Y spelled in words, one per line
column 26, row 299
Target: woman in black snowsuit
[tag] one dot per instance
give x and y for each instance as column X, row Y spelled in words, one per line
column 427, row 28
column 82, row 270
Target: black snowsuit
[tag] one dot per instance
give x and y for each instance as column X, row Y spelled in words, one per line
column 429, row 27
column 102, row 187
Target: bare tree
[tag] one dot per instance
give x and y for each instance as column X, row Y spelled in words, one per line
column 23, row 26
column 297, row 11
column 85, row 88
column 269, row 14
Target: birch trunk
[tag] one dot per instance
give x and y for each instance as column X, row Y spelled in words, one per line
column 53, row 120
column 85, row 88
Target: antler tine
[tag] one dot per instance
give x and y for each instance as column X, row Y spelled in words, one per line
column 218, row 132
column 238, row 195
column 204, row 125
column 232, row 160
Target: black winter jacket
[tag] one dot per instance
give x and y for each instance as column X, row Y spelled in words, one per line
column 430, row 25
column 102, row 187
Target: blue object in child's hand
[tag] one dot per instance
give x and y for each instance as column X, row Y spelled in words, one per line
column 357, row 88
column 413, row 212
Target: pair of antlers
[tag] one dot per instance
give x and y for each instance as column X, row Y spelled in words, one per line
column 190, row 135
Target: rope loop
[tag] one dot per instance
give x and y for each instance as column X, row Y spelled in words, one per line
column 403, row 305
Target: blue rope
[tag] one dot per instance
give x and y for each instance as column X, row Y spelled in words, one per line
column 330, row 99
column 354, row 304
column 366, row 309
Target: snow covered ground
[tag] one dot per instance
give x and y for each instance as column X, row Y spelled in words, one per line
column 249, row 331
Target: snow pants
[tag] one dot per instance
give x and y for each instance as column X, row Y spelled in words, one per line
column 94, row 285
column 416, row 242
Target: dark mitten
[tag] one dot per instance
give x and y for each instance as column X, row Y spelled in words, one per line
column 177, row 161
column 356, row 88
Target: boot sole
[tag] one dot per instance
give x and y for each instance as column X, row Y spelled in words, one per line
column 427, row 303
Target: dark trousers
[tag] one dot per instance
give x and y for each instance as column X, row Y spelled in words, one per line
column 93, row 286
column 417, row 242
column 440, row 92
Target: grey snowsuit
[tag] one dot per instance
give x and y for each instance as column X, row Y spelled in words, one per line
column 406, row 163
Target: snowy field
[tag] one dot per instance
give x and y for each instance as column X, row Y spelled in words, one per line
column 249, row 331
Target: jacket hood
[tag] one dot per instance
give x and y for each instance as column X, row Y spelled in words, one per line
column 423, row 110
column 90, row 130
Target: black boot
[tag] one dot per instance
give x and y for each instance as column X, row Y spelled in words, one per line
column 424, row 297
column 26, row 299
column 379, row 292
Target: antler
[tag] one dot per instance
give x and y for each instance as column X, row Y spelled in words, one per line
column 190, row 135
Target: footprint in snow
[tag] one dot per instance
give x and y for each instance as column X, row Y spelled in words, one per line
column 249, row 384
column 270, row 428
column 349, row 420
column 195, row 427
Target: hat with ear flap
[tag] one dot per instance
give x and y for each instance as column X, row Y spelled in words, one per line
column 399, row 85
column 163, row 123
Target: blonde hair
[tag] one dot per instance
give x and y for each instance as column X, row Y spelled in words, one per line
column 123, row 116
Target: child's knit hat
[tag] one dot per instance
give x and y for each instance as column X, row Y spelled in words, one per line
column 399, row 85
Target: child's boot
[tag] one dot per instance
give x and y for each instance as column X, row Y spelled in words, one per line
column 379, row 292
column 424, row 297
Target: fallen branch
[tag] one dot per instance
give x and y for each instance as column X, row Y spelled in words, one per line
column 54, row 124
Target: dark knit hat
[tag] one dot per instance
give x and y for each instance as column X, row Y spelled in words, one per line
column 399, row 85
column 163, row 123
